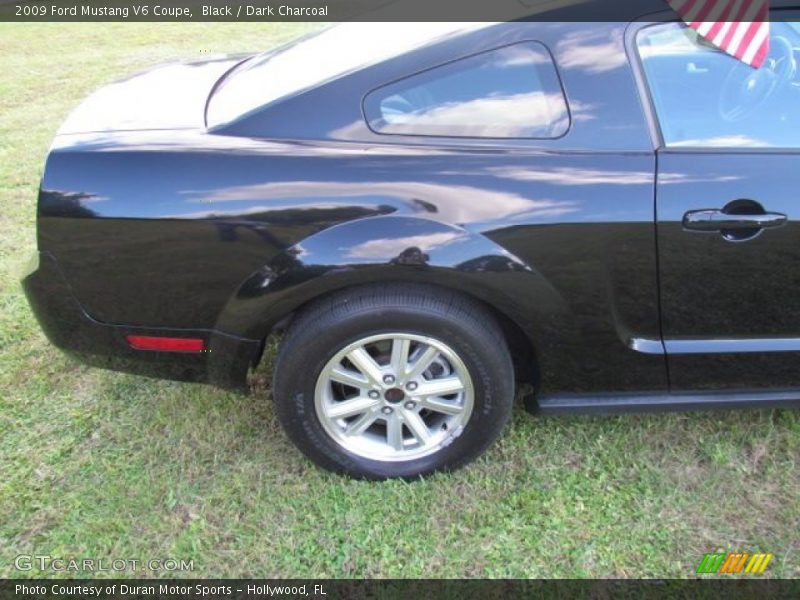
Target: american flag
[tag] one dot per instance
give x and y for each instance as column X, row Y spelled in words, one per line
column 738, row 27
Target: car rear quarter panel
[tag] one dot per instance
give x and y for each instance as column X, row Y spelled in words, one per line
column 231, row 232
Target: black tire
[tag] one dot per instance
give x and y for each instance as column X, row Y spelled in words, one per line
column 330, row 324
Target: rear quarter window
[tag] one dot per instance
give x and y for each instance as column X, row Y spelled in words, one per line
column 509, row 92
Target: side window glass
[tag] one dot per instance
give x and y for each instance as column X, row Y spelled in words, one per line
column 511, row 92
column 706, row 98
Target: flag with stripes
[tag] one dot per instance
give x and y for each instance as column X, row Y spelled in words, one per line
column 737, row 27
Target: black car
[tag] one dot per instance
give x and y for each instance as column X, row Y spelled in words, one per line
column 605, row 212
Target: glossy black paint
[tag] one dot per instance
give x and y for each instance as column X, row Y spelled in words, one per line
column 226, row 233
column 68, row 326
column 729, row 309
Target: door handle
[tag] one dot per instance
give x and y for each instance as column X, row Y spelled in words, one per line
column 718, row 220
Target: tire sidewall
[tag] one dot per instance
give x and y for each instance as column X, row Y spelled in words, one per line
column 297, row 375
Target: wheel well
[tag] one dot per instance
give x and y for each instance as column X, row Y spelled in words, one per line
column 523, row 353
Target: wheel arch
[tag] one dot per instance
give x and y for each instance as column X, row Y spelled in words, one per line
column 520, row 345
column 392, row 249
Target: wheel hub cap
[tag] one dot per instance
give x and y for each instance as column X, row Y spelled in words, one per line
column 394, row 395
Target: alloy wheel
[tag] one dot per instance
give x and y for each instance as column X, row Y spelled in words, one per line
column 394, row 396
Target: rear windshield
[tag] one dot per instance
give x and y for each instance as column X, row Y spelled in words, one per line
column 316, row 58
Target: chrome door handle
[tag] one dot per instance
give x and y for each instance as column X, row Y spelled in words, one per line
column 717, row 220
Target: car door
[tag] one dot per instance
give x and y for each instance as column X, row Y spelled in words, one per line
column 727, row 199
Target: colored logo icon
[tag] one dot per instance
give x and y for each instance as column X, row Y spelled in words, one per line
column 734, row 563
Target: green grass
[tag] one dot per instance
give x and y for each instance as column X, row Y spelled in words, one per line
column 100, row 464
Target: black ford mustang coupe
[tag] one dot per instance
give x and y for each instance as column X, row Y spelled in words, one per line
column 432, row 214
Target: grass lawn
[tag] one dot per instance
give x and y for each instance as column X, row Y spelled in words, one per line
column 101, row 464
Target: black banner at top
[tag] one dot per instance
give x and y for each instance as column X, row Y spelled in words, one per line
column 347, row 10
column 329, row 10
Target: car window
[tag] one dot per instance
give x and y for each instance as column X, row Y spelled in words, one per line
column 511, row 92
column 706, row 98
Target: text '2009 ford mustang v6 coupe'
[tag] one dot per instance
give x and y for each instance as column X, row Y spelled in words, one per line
column 431, row 214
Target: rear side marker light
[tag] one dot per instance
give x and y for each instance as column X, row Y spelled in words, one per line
column 165, row 344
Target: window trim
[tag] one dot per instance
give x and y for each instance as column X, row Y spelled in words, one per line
column 637, row 68
column 396, row 80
